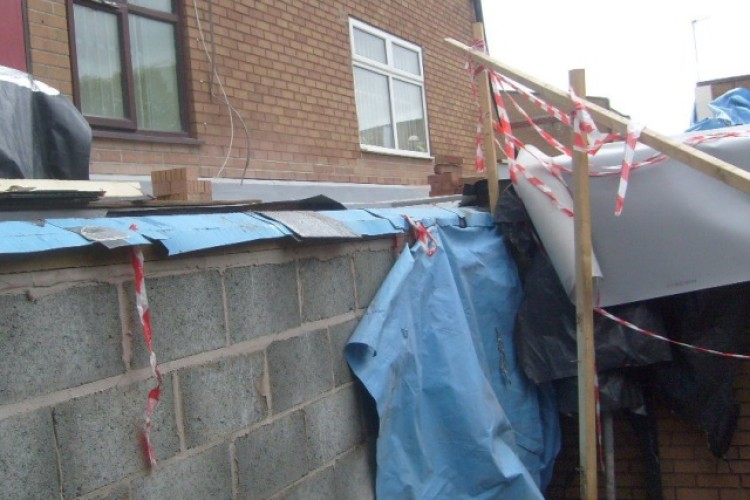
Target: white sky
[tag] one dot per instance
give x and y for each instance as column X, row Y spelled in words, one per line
column 639, row 53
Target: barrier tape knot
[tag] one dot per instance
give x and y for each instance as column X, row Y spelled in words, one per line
column 423, row 236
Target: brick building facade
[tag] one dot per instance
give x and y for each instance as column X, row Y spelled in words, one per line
column 688, row 469
column 287, row 69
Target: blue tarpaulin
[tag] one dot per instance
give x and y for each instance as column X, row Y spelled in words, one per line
column 730, row 108
column 458, row 419
column 180, row 234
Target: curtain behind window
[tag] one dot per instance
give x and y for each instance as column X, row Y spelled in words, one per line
column 99, row 65
column 373, row 108
column 410, row 123
column 154, row 74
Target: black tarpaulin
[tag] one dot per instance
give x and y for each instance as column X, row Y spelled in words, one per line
column 42, row 134
column 696, row 385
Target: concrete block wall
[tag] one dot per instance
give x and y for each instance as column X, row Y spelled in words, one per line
column 257, row 402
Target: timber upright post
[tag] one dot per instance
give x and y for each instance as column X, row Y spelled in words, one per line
column 488, row 135
column 584, row 309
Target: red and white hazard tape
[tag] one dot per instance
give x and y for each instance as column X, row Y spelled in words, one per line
column 698, row 139
column 518, row 168
column 587, row 138
column 497, row 88
column 547, row 108
column 638, row 329
column 587, row 125
column 474, row 71
column 145, row 316
column 509, row 140
column 544, row 189
column 634, row 132
column 423, row 236
column 479, row 163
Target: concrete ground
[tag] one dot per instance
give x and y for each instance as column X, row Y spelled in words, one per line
column 351, row 195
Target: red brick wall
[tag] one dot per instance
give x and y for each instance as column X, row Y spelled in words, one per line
column 720, row 87
column 689, row 470
column 286, row 66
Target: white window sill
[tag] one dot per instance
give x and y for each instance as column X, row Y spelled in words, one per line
column 395, row 152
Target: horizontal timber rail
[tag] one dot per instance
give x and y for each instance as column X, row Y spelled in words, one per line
column 703, row 162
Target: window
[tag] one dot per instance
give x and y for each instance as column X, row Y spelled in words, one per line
column 389, row 90
column 126, row 64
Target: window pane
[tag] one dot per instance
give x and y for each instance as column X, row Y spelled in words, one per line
column 373, row 108
column 154, row 62
column 410, row 122
column 163, row 5
column 369, row 46
column 99, row 64
column 406, row 60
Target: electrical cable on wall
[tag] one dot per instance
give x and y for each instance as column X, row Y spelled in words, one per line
column 230, row 108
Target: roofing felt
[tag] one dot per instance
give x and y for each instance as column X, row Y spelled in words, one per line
column 180, row 234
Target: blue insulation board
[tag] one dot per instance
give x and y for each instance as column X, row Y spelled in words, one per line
column 363, row 222
column 19, row 237
column 189, row 233
column 124, row 225
column 428, row 215
column 458, row 419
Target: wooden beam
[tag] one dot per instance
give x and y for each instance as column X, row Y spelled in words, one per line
column 111, row 189
column 703, row 162
column 488, row 134
column 584, row 309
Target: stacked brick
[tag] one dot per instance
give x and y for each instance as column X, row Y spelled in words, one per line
column 447, row 179
column 258, row 401
column 180, row 184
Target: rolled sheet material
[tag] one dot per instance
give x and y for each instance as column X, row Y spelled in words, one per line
column 680, row 230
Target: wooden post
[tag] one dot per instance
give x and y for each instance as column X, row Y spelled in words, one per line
column 488, row 135
column 584, row 310
column 703, row 162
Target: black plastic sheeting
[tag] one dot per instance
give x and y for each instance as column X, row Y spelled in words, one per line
column 546, row 330
column 699, row 386
column 42, row 134
column 696, row 386
column 618, row 390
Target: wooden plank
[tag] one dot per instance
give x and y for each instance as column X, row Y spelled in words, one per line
column 703, row 162
column 111, row 189
column 488, row 135
column 584, row 309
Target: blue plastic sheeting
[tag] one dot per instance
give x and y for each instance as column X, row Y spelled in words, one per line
column 471, row 217
column 122, row 224
column 189, row 233
column 458, row 419
column 18, row 237
column 730, row 108
column 364, row 223
column 428, row 215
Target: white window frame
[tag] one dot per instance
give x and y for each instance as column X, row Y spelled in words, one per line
column 391, row 72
